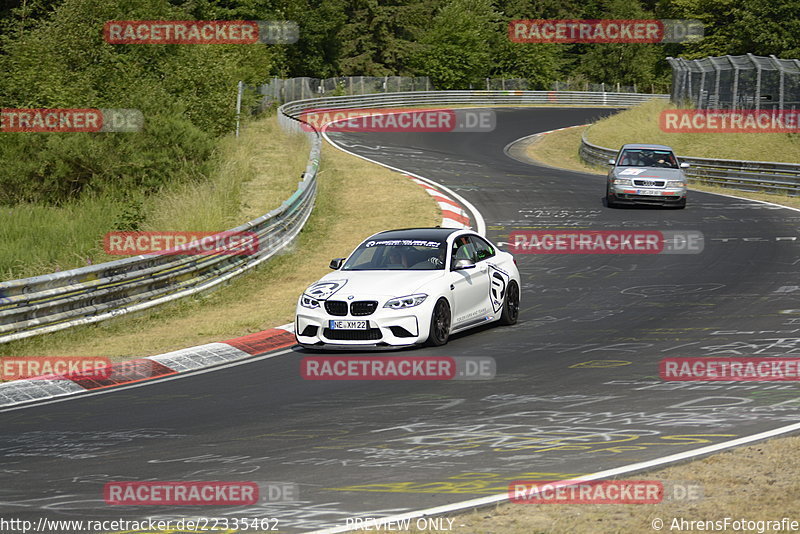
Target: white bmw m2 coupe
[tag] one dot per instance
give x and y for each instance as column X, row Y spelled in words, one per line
column 409, row 287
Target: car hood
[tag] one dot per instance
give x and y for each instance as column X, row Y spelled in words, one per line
column 376, row 284
column 649, row 173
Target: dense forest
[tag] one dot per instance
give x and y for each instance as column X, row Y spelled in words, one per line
column 52, row 54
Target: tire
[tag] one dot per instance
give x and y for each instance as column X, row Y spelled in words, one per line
column 610, row 203
column 510, row 305
column 681, row 205
column 440, row 324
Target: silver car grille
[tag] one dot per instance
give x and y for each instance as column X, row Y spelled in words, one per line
column 649, row 183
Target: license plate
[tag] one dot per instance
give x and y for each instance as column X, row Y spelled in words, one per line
column 647, row 192
column 349, row 325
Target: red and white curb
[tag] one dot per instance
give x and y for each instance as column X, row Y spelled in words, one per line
column 453, row 214
column 148, row 368
column 457, row 212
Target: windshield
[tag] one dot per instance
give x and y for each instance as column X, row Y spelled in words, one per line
column 397, row 255
column 638, row 157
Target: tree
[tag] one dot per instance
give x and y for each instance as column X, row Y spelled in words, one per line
column 619, row 63
column 185, row 93
column 736, row 27
column 457, row 49
column 318, row 51
column 380, row 36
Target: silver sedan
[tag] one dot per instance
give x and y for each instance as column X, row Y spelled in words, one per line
column 646, row 174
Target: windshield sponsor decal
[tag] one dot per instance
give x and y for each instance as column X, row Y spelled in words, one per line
column 404, row 242
column 324, row 290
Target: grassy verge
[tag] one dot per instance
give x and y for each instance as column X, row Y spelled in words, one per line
column 39, row 240
column 345, row 213
column 560, row 149
column 640, row 125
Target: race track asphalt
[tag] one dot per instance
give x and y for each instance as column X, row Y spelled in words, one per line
column 577, row 387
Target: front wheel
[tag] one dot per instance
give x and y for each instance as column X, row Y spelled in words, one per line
column 609, row 199
column 510, row 305
column 440, row 324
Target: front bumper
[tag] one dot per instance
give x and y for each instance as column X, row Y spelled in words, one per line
column 647, row 195
column 387, row 328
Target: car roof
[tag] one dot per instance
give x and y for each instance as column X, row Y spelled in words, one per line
column 644, row 145
column 426, row 234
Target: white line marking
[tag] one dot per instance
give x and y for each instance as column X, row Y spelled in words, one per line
column 640, row 466
column 748, row 199
column 480, row 223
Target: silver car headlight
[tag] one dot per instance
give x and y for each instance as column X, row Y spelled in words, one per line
column 622, row 181
column 308, row 302
column 676, row 183
column 405, row 302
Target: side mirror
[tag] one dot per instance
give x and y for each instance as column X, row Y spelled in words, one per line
column 336, row 263
column 462, row 264
column 685, row 165
column 612, row 162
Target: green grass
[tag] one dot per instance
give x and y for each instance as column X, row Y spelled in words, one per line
column 37, row 240
column 640, row 125
column 560, row 148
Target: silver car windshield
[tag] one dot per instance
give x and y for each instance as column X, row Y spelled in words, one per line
column 397, row 255
column 640, row 157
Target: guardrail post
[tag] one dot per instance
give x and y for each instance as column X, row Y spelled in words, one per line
column 239, row 91
column 735, row 97
column 781, row 78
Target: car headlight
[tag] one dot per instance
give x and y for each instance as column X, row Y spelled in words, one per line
column 308, row 302
column 405, row 302
column 676, row 183
column 622, row 181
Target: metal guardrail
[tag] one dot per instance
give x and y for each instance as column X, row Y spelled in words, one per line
column 473, row 98
column 52, row 302
column 743, row 175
